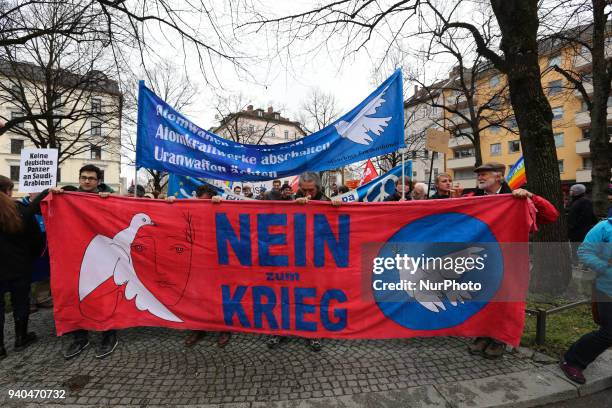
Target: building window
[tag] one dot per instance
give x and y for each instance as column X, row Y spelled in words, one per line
column 426, row 153
column 436, row 171
column 494, row 81
column 512, row 123
column 277, row 116
column 101, row 176
column 96, row 153
column 560, row 162
column 587, row 163
column 16, row 115
column 557, row 112
column 461, row 153
column 586, row 133
column 286, row 135
column 58, row 178
column 272, row 133
column 251, row 129
column 464, row 174
column 15, row 173
column 259, row 113
column 413, row 154
column 495, row 103
column 57, row 124
column 56, row 101
column 554, row 60
column 555, row 87
column 414, row 174
column 514, row 146
column 96, row 129
column 558, row 139
column 96, row 105
column 495, row 149
column 495, row 129
column 16, row 146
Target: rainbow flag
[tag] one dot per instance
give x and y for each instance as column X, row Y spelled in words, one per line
column 516, row 176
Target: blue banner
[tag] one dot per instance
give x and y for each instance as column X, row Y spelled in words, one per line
column 379, row 188
column 185, row 187
column 168, row 141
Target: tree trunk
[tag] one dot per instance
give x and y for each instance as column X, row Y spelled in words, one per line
column 476, row 143
column 600, row 140
column 518, row 21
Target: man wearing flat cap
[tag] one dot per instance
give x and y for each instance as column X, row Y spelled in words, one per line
column 490, row 181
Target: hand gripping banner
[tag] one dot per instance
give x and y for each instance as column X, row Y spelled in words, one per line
column 168, row 141
column 311, row 270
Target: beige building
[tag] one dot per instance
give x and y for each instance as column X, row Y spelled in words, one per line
column 256, row 126
column 91, row 137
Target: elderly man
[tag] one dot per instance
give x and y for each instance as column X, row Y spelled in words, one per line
column 490, row 180
column 419, row 192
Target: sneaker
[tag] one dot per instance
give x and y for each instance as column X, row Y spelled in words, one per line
column 273, row 341
column 479, row 345
column 494, row 350
column 75, row 348
column 107, row 346
column 315, row 345
column 194, row 338
column 572, row 372
column 223, row 339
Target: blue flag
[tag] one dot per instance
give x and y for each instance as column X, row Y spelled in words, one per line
column 185, row 187
column 168, row 141
column 379, row 188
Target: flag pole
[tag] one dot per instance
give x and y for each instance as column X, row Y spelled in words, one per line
column 402, row 151
column 430, row 172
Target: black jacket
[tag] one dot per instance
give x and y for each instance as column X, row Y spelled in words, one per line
column 18, row 251
column 319, row 197
column 580, row 218
column 505, row 189
column 396, row 196
column 438, row 196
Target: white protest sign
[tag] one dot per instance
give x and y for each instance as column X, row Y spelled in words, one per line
column 38, row 170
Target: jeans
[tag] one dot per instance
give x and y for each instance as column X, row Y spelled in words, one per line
column 20, row 298
column 591, row 345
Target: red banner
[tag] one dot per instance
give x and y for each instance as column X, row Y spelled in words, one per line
column 313, row 270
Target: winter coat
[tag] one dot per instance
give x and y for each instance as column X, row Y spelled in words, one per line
column 596, row 253
column 19, row 250
column 580, row 218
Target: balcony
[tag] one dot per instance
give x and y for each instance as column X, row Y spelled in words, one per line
column 588, row 87
column 455, row 101
column 583, row 176
column 460, row 141
column 583, row 119
column 584, row 58
column 461, row 163
column 582, row 147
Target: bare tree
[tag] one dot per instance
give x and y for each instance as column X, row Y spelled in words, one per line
column 172, row 86
column 317, row 111
column 60, row 98
column 590, row 41
column 358, row 22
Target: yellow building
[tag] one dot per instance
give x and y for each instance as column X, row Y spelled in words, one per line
column 571, row 120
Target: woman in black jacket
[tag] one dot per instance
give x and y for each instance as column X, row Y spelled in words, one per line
column 20, row 243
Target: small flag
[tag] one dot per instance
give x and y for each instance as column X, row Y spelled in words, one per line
column 369, row 173
column 516, row 176
column 294, row 184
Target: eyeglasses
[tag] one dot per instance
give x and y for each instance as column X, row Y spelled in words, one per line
column 83, row 178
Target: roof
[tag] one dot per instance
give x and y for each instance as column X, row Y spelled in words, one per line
column 268, row 116
column 97, row 80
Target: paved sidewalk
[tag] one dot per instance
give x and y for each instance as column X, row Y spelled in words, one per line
column 152, row 368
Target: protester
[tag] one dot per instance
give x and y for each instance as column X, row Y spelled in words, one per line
column 580, row 217
column 140, row 191
column 443, row 183
column 90, row 182
column 237, row 190
column 276, row 185
column 400, row 184
column 490, row 181
column 206, row 192
column 310, row 188
column 274, row 195
column 20, row 244
column 247, row 191
column 343, row 189
column 596, row 253
column 286, row 192
column 262, row 194
column 334, row 190
column 419, row 192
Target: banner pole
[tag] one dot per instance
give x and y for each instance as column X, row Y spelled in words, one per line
column 135, row 180
column 403, row 177
column 430, row 173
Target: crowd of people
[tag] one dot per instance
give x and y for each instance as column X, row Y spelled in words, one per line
column 22, row 242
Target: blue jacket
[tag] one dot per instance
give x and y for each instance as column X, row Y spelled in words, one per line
column 596, row 253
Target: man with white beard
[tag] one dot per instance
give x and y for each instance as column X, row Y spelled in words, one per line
column 490, row 180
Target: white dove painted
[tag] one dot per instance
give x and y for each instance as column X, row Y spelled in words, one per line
column 432, row 299
column 106, row 257
column 357, row 129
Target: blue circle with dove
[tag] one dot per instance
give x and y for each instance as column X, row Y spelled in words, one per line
column 443, row 236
